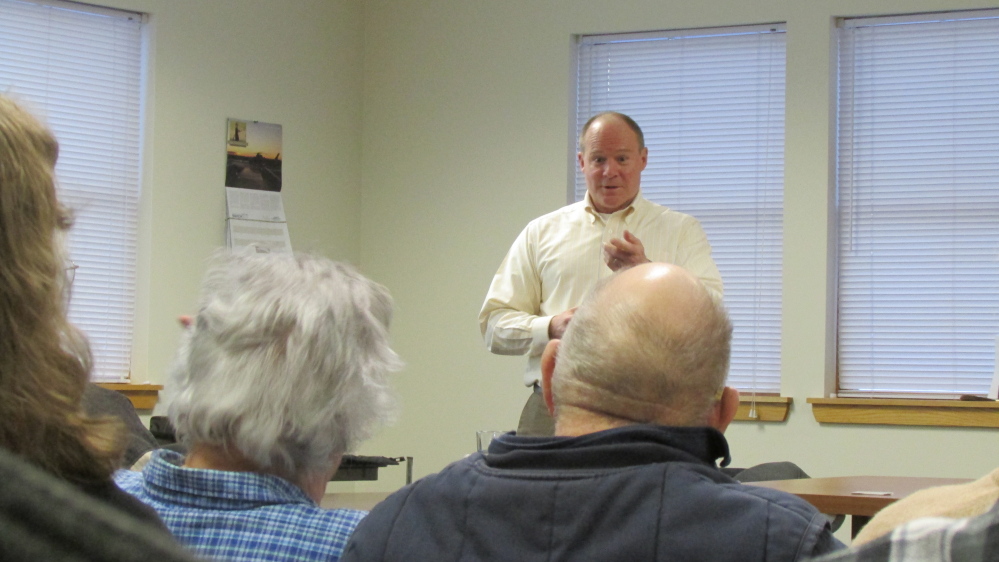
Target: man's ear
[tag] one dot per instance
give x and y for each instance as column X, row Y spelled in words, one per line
column 548, row 358
column 724, row 410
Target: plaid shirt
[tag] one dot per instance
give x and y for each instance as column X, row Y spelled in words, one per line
column 973, row 539
column 239, row 516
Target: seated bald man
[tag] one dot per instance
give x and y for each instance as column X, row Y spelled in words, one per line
column 637, row 389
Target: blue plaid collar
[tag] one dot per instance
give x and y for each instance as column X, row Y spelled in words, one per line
column 167, row 480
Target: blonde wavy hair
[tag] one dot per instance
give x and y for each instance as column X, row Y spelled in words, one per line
column 44, row 361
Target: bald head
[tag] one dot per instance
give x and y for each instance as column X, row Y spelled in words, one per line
column 650, row 345
column 608, row 116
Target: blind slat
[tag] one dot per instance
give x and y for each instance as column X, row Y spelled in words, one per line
column 80, row 69
column 711, row 106
column 918, row 167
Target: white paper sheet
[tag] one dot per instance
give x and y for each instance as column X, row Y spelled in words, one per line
column 254, row 204
column 270, row 235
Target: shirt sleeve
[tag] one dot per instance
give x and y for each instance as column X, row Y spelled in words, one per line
column 510, row 320
column 694, row 255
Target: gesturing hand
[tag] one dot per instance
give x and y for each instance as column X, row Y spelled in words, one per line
column 621, row 254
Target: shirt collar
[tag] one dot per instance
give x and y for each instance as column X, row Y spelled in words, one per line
column 165, row 477
column 623, row 446
column 627, row 212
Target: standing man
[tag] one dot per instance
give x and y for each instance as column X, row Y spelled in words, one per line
column 560, row 256
column 637, row 387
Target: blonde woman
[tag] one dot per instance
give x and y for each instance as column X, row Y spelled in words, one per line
column 44, row 361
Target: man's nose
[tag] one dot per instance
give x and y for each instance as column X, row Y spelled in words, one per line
column 611, row 169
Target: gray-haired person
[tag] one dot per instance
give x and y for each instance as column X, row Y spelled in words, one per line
column 283, row 370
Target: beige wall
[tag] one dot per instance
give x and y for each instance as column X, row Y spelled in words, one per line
column 295, row 63
column 466, row 136
column 420, row 136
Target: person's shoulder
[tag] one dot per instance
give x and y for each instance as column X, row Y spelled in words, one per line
column 552, row 221
column 71, row 522
column 450, row 480
column 372, row 530
column 159, row 465
column 408, row 511
column 954, row 500
column 969, row 539
column 646, row 207
column 662, row 216
column 321, row 520
column 783, row 501
column 124, row 500
column 572, row 210
column 781, row 508
column 793, row 525
column 128, row 480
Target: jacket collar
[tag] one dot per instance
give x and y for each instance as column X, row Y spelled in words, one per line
column 612, row 448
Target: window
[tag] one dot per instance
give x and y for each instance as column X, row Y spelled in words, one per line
column 711, row 105
column 918, row 198
column 79, row 67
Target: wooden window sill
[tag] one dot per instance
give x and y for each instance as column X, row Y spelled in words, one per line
column 143, row 396
column 879, row 411
column 768, row 408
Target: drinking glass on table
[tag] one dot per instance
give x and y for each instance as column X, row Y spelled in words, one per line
column 484, row 437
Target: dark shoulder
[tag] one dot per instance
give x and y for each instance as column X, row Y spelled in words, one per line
column 370, row 537
column 110, row 494
column 451, row 480
column 698, row 481
column 778, row 499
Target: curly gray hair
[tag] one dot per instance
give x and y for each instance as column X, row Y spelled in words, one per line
column 287, row 361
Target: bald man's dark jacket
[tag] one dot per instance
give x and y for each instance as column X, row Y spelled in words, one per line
column 632, row 493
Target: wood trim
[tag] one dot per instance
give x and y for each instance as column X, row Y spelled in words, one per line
column 879, row 411
column 768, row 408
column 143, row 396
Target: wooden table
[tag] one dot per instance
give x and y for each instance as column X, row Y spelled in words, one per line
column 840, row 494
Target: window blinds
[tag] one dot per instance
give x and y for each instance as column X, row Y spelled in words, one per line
column 918, row 191
column 711, row 105
column 79, row 68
